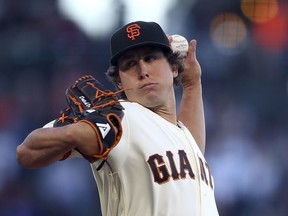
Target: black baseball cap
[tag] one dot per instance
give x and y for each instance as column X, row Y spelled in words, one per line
column 137, row 34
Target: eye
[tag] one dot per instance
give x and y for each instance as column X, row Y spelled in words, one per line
column 150, row 58
column 127, row 65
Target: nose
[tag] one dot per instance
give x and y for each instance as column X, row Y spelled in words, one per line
column 143, row 70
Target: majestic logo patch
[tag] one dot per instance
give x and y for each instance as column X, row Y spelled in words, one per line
column 133, row 31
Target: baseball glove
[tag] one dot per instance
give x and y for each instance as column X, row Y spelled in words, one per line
column 91, row 103
column 66, row 117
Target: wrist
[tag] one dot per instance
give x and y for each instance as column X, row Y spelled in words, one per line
column 192, row 85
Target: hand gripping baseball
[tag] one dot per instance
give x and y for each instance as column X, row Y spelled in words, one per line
column 91, row 103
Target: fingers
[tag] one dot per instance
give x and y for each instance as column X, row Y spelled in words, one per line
column 192, row 46
column 192, row 50
column 192, row 71
column 169, row 38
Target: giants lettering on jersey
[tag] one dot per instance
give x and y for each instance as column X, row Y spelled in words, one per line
column 162, row 172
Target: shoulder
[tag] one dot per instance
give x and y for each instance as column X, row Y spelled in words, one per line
column 128, row 104
column 132, row 107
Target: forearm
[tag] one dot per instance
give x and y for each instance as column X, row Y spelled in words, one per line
column 191, row 113
column 45, row 146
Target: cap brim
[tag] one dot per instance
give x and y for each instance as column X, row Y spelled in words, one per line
column 115, row 58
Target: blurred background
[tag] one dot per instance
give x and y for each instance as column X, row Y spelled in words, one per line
column 243, row 50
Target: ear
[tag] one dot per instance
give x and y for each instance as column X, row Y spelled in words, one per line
column 174, row 69
column 119, row 85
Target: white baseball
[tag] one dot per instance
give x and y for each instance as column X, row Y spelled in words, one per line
column 179, row 44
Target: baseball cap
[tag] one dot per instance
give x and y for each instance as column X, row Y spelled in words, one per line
column 137, row 34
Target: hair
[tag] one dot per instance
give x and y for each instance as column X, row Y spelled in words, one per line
column 174, row 59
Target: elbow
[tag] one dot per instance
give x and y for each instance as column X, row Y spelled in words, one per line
column 23, row 158
column 20, row 156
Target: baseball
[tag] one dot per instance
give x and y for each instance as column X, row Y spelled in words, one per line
column 179, row 44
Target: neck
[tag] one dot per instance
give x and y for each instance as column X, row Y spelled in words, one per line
column 167, row 111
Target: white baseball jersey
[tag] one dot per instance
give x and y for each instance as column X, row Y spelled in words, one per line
column 156, row 169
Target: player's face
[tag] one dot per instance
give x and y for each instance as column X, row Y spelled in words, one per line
column 148, row 76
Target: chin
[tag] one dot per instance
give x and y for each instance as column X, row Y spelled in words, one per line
column 148, row 100
column 151, row 103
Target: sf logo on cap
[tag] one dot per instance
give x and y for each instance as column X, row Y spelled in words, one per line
column 133, row 31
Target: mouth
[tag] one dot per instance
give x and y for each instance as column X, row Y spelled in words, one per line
column 147, row 85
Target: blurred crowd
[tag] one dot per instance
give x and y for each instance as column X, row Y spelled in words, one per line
column 245, row 96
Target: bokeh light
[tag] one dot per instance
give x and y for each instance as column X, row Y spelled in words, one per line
column 96, row 18
column 228, row 32
column 259, row 10
column 273, row 35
